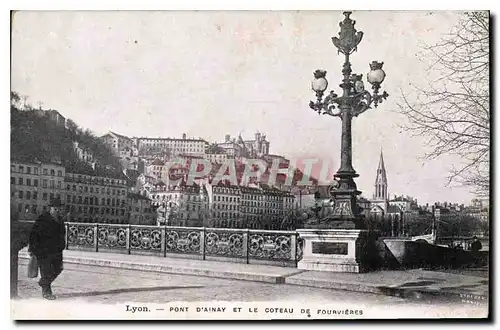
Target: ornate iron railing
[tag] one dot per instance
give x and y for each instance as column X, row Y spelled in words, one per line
column 243, row 245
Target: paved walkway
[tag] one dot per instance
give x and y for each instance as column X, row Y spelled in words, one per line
column 103, row 293
column 416, row 284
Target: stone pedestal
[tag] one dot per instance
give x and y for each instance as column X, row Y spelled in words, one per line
column 337, row 250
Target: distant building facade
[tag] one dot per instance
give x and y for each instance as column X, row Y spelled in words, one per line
column 140, row 210
column 34, row 185
column 237, row 147
column 174, row 145
column 117, row 141
column 91, row 198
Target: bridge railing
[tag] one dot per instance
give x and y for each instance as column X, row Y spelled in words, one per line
column 238, row 245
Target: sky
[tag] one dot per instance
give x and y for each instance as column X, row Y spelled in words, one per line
column 207, row 74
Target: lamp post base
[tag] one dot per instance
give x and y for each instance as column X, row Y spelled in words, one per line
column 338, row 250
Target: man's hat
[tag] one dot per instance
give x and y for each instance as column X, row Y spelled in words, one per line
column 56, row 202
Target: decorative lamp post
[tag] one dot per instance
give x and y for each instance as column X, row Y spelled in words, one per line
column 353, row 101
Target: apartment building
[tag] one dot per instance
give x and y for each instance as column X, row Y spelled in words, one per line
column 96, row 198
column 174, row 146
column 34, row 185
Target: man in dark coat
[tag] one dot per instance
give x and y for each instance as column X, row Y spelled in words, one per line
column 476, row 245
column 47, row 242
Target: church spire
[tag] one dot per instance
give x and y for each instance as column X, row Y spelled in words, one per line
column 381, row 180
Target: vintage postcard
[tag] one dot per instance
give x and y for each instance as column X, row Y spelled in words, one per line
column 250, row 165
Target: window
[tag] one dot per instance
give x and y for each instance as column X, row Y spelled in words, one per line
column 21, row 194
column 52, row 172
column 51, row 196
column 12, row 180
column 79, row 199
column 28, row 170
column 97, row 190
column 33, row 209
column 20, row 181
column 91, row 189
column 28, row 195
column 44, row 183
column 44, row 196
column 86, row 189
column 21, row 169
column 74, row 187
column 59, row 173
column 19, row 207
column 45, row 171
column 35, row 170
column 52, row 183
column 35, row 195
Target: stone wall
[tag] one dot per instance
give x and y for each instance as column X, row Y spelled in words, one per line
column 404, row 254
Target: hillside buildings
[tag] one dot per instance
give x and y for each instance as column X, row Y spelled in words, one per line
column 237, row 147
column 117, row 142
column 173, row 146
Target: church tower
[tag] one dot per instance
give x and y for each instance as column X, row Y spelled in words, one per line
column 381, row 181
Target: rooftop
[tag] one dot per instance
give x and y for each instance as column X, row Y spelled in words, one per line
column 172, row 139
column 119, row 135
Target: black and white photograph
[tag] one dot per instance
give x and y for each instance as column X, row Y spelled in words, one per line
column 250, row 164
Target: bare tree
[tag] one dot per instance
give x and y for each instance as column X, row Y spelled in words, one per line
column 452, row 113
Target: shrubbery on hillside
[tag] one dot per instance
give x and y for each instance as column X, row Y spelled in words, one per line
column 35, row 137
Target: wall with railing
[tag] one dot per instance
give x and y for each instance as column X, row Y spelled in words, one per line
column 282, row 248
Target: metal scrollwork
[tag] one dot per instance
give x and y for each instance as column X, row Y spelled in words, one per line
column 145, row 239
column 224, row 243
column 349, row 37
column 182, row 241
column 300, row 248
column 342, row 208
column 269, row 246
column 112, row 237
column 81, row 235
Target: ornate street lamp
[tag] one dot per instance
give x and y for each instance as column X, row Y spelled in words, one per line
column 353, row 101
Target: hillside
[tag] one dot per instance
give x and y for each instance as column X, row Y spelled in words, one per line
column 35, row 137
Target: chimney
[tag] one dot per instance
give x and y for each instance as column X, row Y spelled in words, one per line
column 184, row 136
column 257, row 136
column 227, row 138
